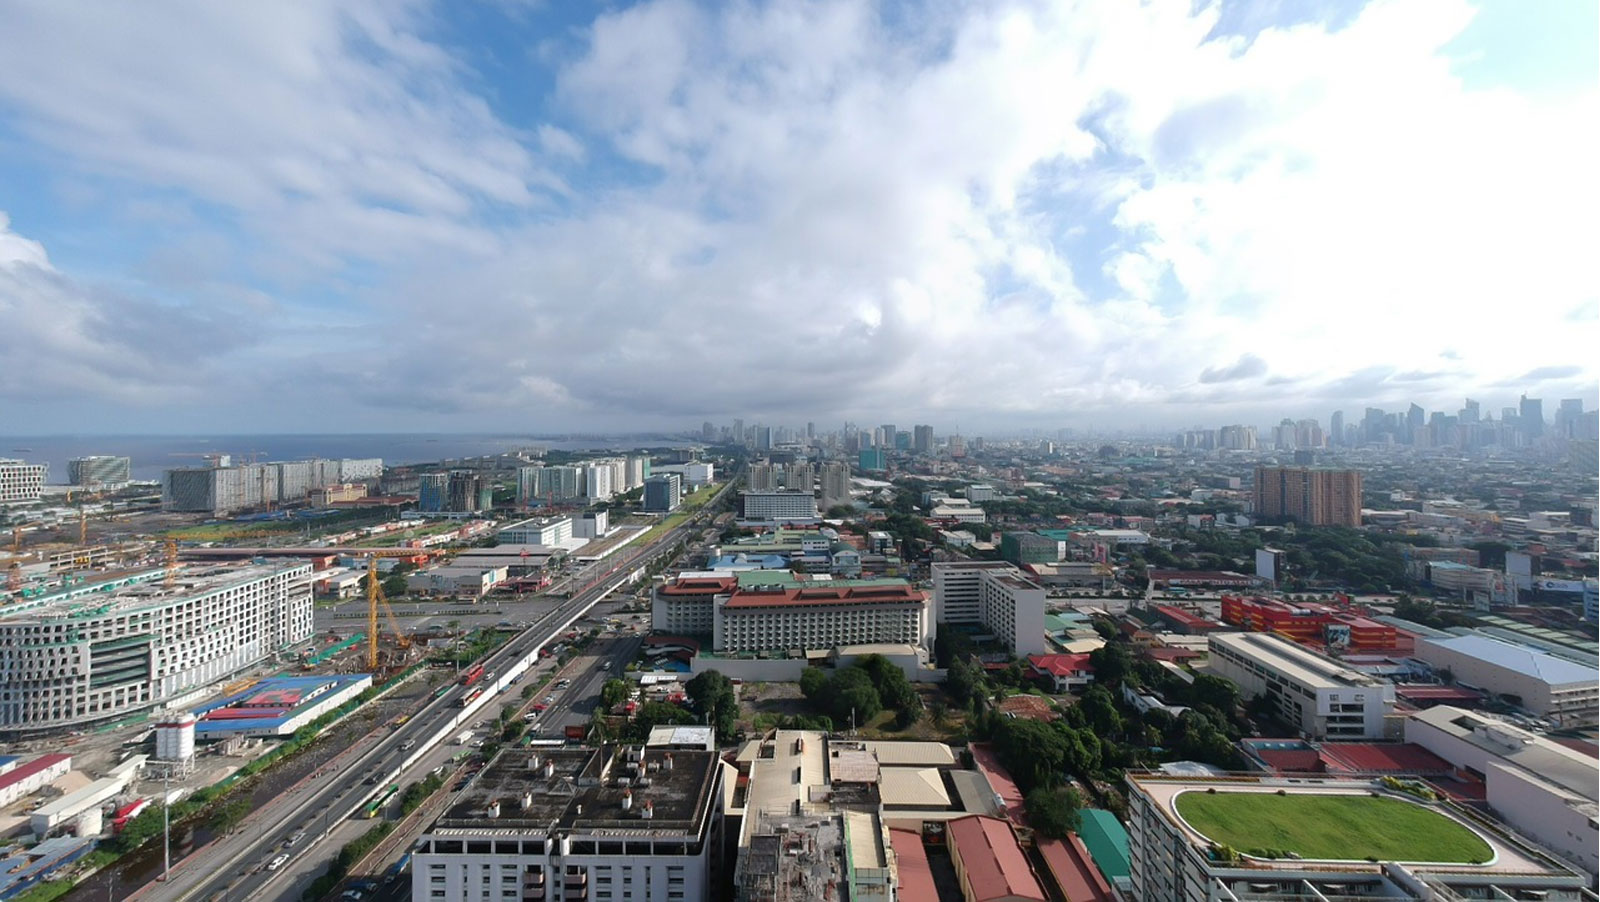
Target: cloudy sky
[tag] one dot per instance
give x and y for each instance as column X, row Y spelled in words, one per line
column 412, row 216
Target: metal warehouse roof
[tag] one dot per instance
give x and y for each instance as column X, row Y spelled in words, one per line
column 1520, row 658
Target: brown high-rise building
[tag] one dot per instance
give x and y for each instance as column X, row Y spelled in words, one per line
column 1312, row 497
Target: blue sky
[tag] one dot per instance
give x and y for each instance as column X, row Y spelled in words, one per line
column 326, row 216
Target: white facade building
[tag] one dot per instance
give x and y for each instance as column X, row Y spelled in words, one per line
column 1171, row 861
column 21, row 481
column 996, row 595
column 597, row 483
column 1540, row 787
column 823, row 615
column 644, row 825
column 546, row 531
column 780, row 507
column 1549, row 686
column 69, row 662
column 1323, row 697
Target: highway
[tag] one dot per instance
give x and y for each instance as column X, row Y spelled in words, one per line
column 227, row 869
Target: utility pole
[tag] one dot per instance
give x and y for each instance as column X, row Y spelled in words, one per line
column 166, row 824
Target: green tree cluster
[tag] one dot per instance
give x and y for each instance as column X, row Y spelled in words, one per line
column 712, row 699
column 856, row 694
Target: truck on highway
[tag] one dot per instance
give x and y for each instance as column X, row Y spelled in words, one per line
column 577, row 732
column 464, row 738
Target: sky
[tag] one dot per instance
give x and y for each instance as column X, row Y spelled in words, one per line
column 359, row 215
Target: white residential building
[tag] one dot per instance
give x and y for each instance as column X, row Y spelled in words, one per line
column 609, row 825
column 1325, row 699
column 597, row 484
column 21, row 481
column 73, row 661
column 996, row 595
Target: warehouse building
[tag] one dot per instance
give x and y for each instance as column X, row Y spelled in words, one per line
column 1545, row 684
column 77, row 660
column 1325, row 699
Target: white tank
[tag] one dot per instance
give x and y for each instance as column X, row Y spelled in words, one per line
column 175, row 738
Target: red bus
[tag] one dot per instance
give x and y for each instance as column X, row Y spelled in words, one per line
column 472, row 675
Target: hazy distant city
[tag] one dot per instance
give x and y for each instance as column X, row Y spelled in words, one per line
column 799, row 451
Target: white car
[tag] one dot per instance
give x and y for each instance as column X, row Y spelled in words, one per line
column 278, row 862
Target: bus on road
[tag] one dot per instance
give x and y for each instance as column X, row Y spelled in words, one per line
column 375, row 807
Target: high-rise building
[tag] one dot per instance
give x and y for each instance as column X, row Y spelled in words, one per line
column 93, row 653
column 1416, row 418
column 780, row 507
column 1310, row 497
column 99, row 470
column 835, row 484
column 873, row 460
column 811, row 430
column 1530, row 416
column 663, row 493
column 708, row 433
column 1336, row 428
column 468, row 492
column 1470, row 411
column 738, row 433
column 762, row 476
column 885, row 435
column 995, row 595
column 433, row 493
column 958, row 446
column 922, row 441
column 597, row 482
column 21, row 481
column 797, row 477
column 1569, row 416
column 763, row 438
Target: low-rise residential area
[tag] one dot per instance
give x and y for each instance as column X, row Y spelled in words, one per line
column 780, row 663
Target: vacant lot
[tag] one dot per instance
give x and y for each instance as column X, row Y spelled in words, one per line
column 1330, row 826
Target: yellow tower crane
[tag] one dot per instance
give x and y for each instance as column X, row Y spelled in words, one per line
column 376, row 600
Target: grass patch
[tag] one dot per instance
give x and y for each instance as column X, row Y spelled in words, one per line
column 1330, row 826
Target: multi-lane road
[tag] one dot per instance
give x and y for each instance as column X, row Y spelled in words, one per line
column 230, row 867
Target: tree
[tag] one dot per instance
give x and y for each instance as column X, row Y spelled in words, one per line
column 711, row 697
column 1111, row 662
column 395, row 585
column 1034, row 752
column 229, row 814
column 613, row 693
column 813, row 681
column 1101, row 711
column 1219, row 693
column 853, row 698
column 1054, row 812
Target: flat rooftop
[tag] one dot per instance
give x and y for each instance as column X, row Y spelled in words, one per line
column 583, row 790
column 1507, row 857
column 1522, row 659
column 1292, row 660
column 190, row 581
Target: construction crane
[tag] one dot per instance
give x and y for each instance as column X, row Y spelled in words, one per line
column 172, row 564
column 376, row 600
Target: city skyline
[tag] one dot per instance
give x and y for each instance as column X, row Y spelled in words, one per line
column 380, row 218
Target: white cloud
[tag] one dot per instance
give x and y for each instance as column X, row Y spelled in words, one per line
column 1061, row 211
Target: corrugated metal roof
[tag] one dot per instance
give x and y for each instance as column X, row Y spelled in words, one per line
column 1107, row 842
column 1520, row 658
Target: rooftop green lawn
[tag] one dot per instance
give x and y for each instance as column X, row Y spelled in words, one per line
column 1330, row 826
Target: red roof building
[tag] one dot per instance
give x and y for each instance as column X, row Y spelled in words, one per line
column 1184, row 622
column 1309, row 623
column 1073, row 870
column 1066, row 672
column 911, row 864
column 989, row 861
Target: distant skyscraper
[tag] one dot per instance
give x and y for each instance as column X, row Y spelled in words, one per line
column 1311, row 497
column 835, row 484
column 763, row 438
column 1568, row 415
column 922, row 440
column 707, row 431
column 885, row 435
column 738, row 432
column 1416, row 418
column 958, row 446
column 1530, row 416
column 811, row 430
column 100, row 470
column 1336, row 428
column 1469, row 411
